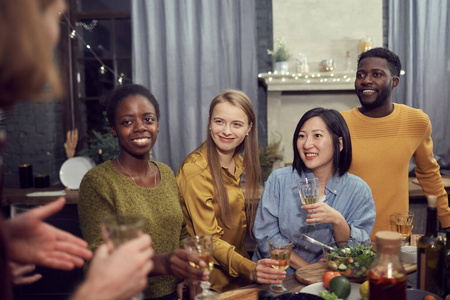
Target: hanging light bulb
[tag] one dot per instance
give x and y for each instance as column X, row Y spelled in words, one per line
column 102, row 70
column 73, row 34
column 120, row 80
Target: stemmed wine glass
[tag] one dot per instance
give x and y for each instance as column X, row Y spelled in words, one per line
column 309, row 191
column 280, row 250
column 202, row 247
column 121, row 228
column 404, row 226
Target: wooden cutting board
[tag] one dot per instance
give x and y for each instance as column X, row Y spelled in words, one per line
column 313, row 273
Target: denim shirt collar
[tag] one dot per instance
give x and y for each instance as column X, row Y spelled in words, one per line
column 333, row 184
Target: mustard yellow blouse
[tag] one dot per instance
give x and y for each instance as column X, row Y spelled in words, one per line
column 233, row 266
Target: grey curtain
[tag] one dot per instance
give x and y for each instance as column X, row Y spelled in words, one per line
column 186, row 52
column 419, row 32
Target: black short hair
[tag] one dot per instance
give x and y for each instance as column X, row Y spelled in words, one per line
column 338, row 128
column 393, row 60
column 123, row 92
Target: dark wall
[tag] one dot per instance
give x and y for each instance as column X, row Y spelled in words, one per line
column 34, row 135
column 264, row 42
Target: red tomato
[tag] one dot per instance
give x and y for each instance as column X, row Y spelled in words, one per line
column 327, row 276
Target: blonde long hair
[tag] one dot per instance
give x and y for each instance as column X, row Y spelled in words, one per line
column 26, row 58
column 249, row 149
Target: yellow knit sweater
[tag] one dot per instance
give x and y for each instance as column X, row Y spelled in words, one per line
column 382, row 149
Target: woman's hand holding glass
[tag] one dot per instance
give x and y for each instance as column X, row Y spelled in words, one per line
column 309, row 192
column 264, row 273
column 321, row 212
column 202, row 247
column 179, row 265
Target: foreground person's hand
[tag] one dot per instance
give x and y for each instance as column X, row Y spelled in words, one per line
column 192, row 287
column 265, row 273
column 32, row 241
column 19, row 273
column 121, row 274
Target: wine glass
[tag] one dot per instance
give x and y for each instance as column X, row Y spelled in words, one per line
column 121, row 228
column 309, row 191
column 404, row 226
column 202, row 247
column 280, row 250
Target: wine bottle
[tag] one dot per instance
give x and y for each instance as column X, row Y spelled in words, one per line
column 430, row 254
column 447, row 263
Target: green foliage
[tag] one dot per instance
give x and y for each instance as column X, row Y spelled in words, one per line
column 102, row 147
column 282, row 54
column 267, row 156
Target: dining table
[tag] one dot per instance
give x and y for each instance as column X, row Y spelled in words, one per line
column 294, row 282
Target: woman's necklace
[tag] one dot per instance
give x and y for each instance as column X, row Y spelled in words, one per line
column 153, row 172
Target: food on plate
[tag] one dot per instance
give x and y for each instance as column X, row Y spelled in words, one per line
column 350, row 261
column 364, row 290
column 328, row 296
column 327, row 276
column 429, row 297
column 340, row 286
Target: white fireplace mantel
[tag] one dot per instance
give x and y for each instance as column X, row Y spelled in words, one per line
column 289, row 96
column 320, row 81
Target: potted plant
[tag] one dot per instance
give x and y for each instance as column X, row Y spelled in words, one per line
column 280, row 57
column 102, row 147
column 268, row 155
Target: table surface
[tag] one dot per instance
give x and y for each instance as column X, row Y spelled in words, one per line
column 19, row 196
column 415, row 190
column 251, row 292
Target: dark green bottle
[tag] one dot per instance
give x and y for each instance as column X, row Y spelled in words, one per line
column 447, row 263
column 430, row 254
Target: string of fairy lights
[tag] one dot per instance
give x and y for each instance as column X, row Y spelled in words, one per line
column 121, row 78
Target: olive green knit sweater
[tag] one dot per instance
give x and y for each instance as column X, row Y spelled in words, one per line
column 104, row 190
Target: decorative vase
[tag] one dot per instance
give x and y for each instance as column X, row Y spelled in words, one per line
column 281, row 67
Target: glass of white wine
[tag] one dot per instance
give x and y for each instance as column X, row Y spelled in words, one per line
column 120, row 228
column 202, row 247
column 280, row 250
column 404, row 226
column 309, row 191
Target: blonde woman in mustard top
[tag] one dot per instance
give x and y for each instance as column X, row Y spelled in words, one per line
column 212, row 199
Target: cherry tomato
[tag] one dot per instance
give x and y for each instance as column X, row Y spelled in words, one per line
column 327, row 276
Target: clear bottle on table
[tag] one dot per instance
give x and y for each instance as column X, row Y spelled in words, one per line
column 430, row 254
column 387, row 277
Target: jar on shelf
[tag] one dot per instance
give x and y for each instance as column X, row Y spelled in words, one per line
column 365, row 44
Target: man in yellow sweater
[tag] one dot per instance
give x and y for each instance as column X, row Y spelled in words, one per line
column 385, row 136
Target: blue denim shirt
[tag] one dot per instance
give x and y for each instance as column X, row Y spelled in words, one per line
column 279, row 213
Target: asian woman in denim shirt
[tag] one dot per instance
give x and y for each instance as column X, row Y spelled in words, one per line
column 322, row 149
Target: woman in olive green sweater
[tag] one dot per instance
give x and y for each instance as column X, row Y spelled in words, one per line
column 133, row 184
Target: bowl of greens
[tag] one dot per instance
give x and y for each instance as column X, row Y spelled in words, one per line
column 351, row 258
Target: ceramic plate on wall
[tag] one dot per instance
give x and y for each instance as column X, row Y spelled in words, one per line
column 73, row 170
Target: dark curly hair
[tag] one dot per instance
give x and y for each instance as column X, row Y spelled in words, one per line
column 123, row 92
column 338, row 129
column 393, row 60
